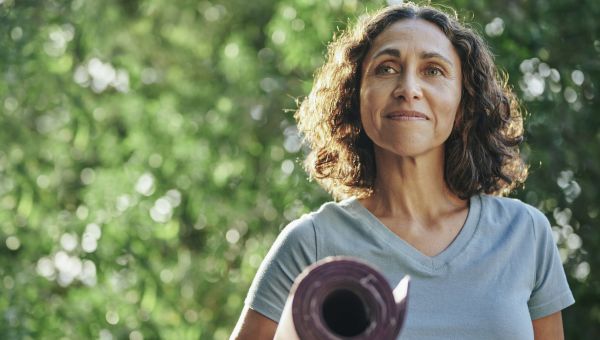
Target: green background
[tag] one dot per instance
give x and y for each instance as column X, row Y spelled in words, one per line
column 148, row 154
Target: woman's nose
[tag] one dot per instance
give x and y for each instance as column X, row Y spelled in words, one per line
column 408, row 87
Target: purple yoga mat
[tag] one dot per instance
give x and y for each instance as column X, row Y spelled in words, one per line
column 343, row 298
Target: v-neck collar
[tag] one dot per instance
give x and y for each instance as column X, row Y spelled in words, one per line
column 431, row 263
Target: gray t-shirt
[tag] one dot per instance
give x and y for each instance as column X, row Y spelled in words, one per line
column 500, row 272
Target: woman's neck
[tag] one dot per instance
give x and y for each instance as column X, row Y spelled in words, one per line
column 412, row 188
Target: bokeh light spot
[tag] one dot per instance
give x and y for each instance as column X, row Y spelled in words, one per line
column 45, row 268
column 89, row 243
column 278, row 37
column 577, row 77
column 289, row 12
column 13, row 243
column 10, row 103
column 582, row 271
column 570, row 95
column 136, row 335
column 68, row 241
column 232, row 236
column 166, row 275
column 105, row 334
column 495, row 27
column 88, row 175
column 155, row 160
column 9, row 282
column 232, row 50
column 574, row 242
column 123, row 202
column 145, row 184
column 191, row 316
column 16, row 33
column 112, row 317
column 298, row 25
column 287, row 166
column 82, row 212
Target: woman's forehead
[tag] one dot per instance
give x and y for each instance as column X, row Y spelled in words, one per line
column 413, row 34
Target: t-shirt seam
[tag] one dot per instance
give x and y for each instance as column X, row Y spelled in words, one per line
column 565, row 296
column 431, row 267
column 473, row 234
column 314, row 227
column 353, row 210
column 535, row 254
column 557, row 298
column 260, row 300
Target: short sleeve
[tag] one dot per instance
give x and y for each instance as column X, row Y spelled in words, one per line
column 551, row 291
column 293, row 250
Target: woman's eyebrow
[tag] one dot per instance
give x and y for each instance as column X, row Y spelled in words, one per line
column 388, row 51
column 424, row 55
column 435, row 55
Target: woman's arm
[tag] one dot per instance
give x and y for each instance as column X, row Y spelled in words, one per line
column 253, row 325
column 549, row 327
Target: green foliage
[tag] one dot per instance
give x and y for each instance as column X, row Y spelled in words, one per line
column 149, row 155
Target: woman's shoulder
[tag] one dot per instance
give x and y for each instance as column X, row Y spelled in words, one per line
column 503, row 208
column 330, row 218
column 509, row 204
column 335, row 213
column 308, row 222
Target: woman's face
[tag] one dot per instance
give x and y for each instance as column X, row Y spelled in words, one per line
column 410, row 89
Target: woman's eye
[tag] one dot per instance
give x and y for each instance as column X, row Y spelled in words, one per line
column 434, row 71
column 385, row 69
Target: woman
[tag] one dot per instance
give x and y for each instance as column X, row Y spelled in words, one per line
column 411, row 129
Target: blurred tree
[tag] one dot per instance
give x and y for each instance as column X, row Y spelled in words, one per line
column 149, row 155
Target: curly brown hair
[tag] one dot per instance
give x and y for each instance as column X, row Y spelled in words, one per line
column 482, row 152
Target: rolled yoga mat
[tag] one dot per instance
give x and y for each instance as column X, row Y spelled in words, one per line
column 343, row 298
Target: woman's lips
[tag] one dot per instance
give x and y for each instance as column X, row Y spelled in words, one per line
column 406, row 115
